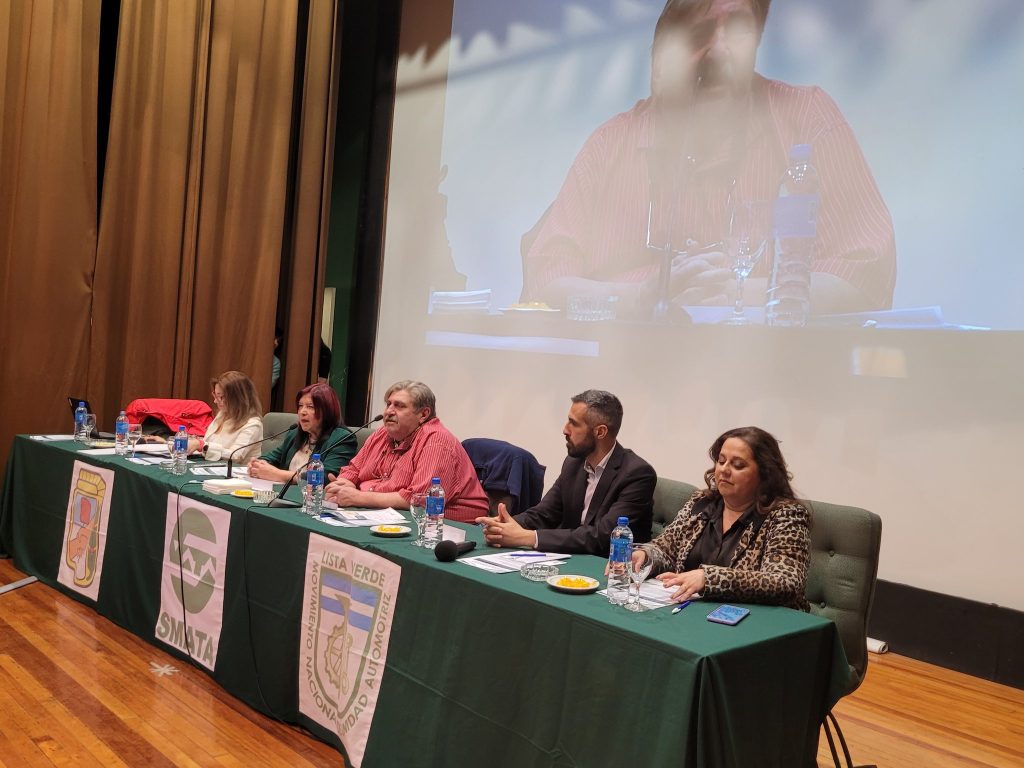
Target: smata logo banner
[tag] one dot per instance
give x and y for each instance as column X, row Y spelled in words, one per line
column 192, row 582
column 348, row 604
column 85, row 529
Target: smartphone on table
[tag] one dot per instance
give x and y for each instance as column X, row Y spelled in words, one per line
column 728, row 614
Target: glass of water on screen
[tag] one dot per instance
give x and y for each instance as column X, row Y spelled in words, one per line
column 750, row 229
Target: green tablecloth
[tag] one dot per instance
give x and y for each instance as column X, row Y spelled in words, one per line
column 483, row 669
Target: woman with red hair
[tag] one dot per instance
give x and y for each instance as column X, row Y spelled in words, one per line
column 319, row 430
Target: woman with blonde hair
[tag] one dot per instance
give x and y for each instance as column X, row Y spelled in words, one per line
column 239, row 419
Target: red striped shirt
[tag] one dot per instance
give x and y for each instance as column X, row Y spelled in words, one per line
column 597, row 226
column 431, row 451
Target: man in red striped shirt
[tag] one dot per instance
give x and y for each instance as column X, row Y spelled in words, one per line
column 401, row 458
column 663, row 177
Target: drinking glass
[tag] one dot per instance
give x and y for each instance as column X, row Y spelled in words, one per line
column 90, row 427
column 134, row 435
column 637, row 575
column 750, row 226
column 418, row 508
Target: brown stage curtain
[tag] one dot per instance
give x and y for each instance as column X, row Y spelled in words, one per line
column 194, row 198
column 213, row 211
column 193, row 251
column 48, row 91
column 304, row 276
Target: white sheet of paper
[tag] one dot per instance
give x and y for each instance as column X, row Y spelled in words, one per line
column 653, row 594
column 150, row 460
column 511, row 562
column 451, row 533
column 483, row 564
column 210, row 471
column 367, row 517
column 152, row 448
column 329, row 520
column 98, row 451
column 52, row 437
column 218, row 471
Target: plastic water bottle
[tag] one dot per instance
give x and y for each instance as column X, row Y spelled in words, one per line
column 313, row 490
column 788, row 302
column 434, row 532
column 180, row 452
column 121, row 435
column 80, row 414
column 619, row 554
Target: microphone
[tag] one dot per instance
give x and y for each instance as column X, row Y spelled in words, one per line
column 231, row 456
column 280, row 501
column 374, row 420
column 447, row 551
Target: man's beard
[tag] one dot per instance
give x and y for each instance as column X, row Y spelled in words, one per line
column 582, row 450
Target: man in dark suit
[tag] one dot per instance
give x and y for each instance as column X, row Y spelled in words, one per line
column 600, row 481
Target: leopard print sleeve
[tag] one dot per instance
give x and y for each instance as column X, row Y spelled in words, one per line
column 773, row 569
column 670, row 547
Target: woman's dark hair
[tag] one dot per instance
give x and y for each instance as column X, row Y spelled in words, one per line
column 773, row 486
column 325, row 406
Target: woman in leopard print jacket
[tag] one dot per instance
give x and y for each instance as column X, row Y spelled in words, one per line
column 745, row 538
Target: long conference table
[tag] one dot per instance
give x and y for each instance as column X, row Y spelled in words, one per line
column 481, row 668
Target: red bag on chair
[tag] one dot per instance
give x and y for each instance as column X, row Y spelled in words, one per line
column 194, row 414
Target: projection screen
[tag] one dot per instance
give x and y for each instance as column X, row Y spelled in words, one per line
column 904, row 402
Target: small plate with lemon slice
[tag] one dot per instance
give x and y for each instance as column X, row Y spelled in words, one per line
column 390, row 531
column 577, row 584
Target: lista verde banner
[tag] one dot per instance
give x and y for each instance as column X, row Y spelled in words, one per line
column 348, row 605
column 85, row 529
column 192, row 581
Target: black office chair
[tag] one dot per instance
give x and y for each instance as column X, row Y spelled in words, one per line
column 845, row 542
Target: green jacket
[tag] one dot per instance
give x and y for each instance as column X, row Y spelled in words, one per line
column 340, row 444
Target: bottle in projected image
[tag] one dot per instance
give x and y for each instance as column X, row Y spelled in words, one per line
column 313, row 490
column 80, row 414
column 179, row 457
column 788, row 302
column 620, row 552
column 121, row 435
column 434, row 532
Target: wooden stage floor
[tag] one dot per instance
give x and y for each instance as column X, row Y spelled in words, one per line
column 77, row 690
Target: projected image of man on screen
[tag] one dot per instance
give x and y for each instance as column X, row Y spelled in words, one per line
column 600, row 481
column 666, row 177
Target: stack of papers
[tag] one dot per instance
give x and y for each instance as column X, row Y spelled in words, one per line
column 459, row 302
column 220, row 487
column 511, row 562
column 363, row 518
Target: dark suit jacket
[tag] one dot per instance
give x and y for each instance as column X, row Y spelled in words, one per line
column 626, row 488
